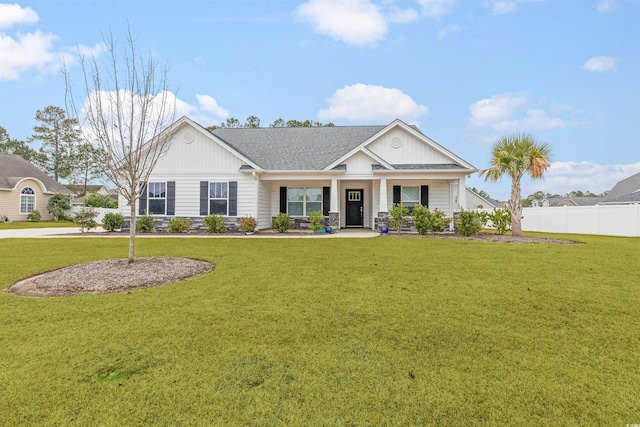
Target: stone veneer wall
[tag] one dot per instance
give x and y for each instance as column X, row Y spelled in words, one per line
column 197, row 223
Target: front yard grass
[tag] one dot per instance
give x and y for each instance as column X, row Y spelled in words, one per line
column 330, row 332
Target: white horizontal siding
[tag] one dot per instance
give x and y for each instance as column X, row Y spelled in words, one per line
column 438, row 193
column 265, row 195
column 412, row 151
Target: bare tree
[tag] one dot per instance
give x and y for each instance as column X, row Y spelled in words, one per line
column 127, row 113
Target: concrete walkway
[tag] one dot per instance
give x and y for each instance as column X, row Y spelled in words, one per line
column 74, row 232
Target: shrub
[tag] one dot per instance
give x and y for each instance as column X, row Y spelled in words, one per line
column 500, row 218
column 282, row 222
column 439, row 221
column 248, row 224
column 146, row 224
column 397, row 216
column 215, row 223
column 179, row 225
column 469, row 223
column 58, row 204
column 427, row 221
column 86, row 219
column 100, row 201
column 112, row 221
column 317, row 220
column 34, row 216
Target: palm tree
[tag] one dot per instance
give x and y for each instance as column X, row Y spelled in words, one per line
column 516, row 155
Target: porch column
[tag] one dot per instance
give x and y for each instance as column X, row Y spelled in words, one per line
column 382, row 221
column 334, row 206
column 462, row 194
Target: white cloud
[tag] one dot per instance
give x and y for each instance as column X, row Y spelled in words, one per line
column 444, row 32
column 503, row 7
column 509, row 112
column 31, row 50
column 606, row 6
column 370, row 103
column 355, row 22
column 404, row 16
column 601, row 64
column 12, row 14
column 210, row 105
column 436, row 9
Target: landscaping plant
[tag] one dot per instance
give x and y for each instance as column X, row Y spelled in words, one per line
column 500, row 219
column 58, row 204
column 248, row 224
column 469, row 223
column 100, row 201
column 178, row 225
column 282, row 222
column 397, row 216
column 146, row 224
column 426, row 221
column 112, row 221
column 34, row 216
column 215, row 223
column 86, row 219
column 316, row 220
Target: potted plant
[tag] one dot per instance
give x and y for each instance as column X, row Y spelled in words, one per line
column 317, row 222
column 248, row 224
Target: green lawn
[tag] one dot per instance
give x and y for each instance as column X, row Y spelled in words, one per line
column 382, row 331
column 41, row 224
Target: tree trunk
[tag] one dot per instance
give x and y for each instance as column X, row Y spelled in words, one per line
column 132, row 232
column 515, row 206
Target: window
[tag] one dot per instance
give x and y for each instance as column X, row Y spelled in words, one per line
column 218, row 198
column 27, row 200
column 303, row 201
column 410, row 196
column 157, row 192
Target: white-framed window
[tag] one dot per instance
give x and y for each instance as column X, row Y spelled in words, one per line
column 27, row 200
column 157, row 198
column 301, row 201
column 410, row 196
column 219, row 198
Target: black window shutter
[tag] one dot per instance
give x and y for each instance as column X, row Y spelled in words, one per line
column 424, row 195
column 397, row 191
column 283, row 199
column 326, row 200
column 142, row 203
column 171, row 198
column 204, row 198
column 233, row 198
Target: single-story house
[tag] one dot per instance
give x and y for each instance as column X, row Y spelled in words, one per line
column 567, row 201
column 24, row 188
column 476, row 201
column 353, row 174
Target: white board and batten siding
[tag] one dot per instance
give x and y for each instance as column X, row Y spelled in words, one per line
column 400, row 147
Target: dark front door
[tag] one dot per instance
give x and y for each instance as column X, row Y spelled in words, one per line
column 355, row 208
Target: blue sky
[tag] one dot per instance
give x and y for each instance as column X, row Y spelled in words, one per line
column 466, row 72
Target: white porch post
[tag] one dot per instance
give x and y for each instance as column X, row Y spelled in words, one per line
column 383, row 196
column 462, row 193
column 335, row 201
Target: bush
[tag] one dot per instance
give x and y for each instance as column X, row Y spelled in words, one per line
column 34, row 216
column 86, row 219
column 500, row 218
column 317, row 220
column 282, row 222
column 100, row 201
column 397, row 216
column 439, row 221
column 112, row 221
column 146, row 224
column 179, row 225
column 248, row 224
column 215, row 223
column 58, row 204
column 469, row 223
column 421, row 219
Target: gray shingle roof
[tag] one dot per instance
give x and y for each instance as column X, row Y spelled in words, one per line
column 625, row 188
column 303, row 148
column 15, row 168
column 626, row 198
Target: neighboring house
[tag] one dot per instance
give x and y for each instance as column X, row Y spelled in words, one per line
column 566, row 201
column 476, row 201
column 24, row 188
column 353, row 174
column 79, row 191
column 625, row 192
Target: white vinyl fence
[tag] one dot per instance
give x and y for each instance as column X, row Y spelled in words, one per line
column 609, row 220
column 101, row 212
